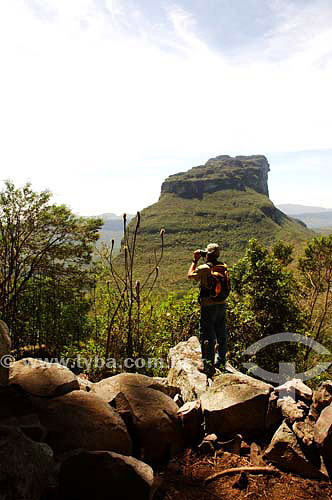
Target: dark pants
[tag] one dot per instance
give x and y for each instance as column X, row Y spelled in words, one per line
column 212, row 329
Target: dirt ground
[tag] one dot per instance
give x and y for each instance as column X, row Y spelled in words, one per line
column 184, row 480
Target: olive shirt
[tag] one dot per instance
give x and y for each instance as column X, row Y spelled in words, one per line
column 201, row 274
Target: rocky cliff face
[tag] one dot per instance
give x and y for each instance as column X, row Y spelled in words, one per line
column 220, row 173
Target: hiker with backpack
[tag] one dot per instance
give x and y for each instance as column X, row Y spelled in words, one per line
column 214, row 285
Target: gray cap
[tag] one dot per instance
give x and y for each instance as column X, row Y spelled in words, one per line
column 213, row 249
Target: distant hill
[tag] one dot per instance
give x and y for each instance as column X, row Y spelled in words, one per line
column 292, row 209
column 313, row 217
column 112, row 229
column 224, row 201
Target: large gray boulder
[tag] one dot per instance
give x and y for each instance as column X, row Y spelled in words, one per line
column 5, row 344
column 323, row 430
column 82, row 420
column 291, row 410
column 109, row 387
column 40, row 378
column 185, row 361
column 323, row 436
column 296, row 389
column 150, row 415
column 27, row 468
column 104, row 475
column 235, row 404
column 322, row 398
column 285, row 452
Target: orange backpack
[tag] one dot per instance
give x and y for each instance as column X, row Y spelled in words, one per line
column 219, row 284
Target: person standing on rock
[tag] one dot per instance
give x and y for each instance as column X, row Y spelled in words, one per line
column 214, row 284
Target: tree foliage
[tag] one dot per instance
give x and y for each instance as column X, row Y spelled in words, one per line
column 316, row 275
column 263, row 302
column 38, row 238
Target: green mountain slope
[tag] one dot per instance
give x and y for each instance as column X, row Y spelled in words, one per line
column 224, row 201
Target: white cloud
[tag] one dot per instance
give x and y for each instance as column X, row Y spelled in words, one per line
column 84, row 105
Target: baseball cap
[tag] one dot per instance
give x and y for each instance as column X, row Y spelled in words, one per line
column 213, row 249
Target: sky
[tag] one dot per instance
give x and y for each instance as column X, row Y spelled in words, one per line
column 101, row 100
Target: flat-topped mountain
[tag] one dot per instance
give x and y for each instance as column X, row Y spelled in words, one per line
column 220, row 173
column 224, row 201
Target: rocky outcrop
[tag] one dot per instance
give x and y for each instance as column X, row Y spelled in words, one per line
column 322, row 398
column 285, row 452
column 291, row 410
column 82, row 420
column 220, row 173
column 42, row 379
column 235, row 404
column 296, row 390
column 185, row 361
column 150, row 415
column 191, row 417
column 27, row 468
column 323, row 430
column 104, row 475
column 109, row 387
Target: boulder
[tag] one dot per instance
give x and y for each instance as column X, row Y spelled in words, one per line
column 109, row 387
column 191, row 417
column 40, row 378
column 150, row 415
column 185, row 361
column 273, row 418
column 5, row 344
column 104, row 475
column 152, row 421
column 235, row 404
column 14, row 402
column 29, row 424
column 323, row 430
column 295, row 389
column 27, row 468
column 291, row 410
column 323, row 437
column 163, row 386
column 285, row 452
column 322, row 398
column 82, row 420
column 305, row 430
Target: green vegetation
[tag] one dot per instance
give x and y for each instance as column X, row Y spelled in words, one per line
column 44, row 256
column 53, row 293
column 227, row 217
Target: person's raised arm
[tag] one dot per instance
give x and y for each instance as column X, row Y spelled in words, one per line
column 192, row 268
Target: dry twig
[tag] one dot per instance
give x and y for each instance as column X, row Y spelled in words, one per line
column 235, row 470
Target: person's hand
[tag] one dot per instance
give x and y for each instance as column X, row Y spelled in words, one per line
column 197, row 255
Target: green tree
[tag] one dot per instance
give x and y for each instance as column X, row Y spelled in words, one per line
column 263, row 302
column 283, row 252
column 316, row 274
column 38, row 238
